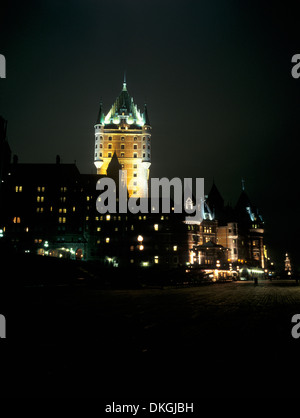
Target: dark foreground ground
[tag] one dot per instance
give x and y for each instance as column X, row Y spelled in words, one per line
column 218, row 340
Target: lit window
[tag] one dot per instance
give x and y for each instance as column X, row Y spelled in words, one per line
column 98, row 229
column 107, row 240
column 156, row 259
column 74, row 208
column 155, row 227
column 174, row 247
column 108, row 217
column 18, row 188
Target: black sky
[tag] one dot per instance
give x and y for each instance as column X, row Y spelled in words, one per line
column 216, row 77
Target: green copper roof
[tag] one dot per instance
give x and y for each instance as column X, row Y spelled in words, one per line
column 124, row 108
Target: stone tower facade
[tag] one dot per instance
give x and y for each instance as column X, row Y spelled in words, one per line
column 125, row 132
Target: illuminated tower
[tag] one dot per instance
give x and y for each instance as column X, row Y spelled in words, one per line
column 125, row 131
column 287, row 264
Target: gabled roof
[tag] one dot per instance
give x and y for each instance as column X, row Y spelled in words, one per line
column 210, row 245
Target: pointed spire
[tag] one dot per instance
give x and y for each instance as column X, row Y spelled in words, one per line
column 113, row 168
column 100, row 117
column 243, row 184
column 124, row 82
column 146, row 117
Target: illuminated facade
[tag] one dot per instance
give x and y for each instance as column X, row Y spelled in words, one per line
column 125, row 132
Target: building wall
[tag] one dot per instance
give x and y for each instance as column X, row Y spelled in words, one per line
column 227, row 235
column 133, row 149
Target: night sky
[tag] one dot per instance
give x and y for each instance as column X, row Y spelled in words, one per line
column 216, row 77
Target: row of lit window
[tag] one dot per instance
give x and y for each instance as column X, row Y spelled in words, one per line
column 60, row 210
column 123, row 138
column 122, row 155
column 39, row 189
column 122, row 146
